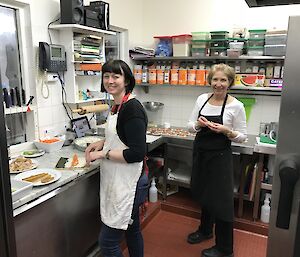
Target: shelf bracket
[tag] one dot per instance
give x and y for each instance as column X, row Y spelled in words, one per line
column 146, row 89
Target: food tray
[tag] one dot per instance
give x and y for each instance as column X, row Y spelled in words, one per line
column 82, row 142
column 19, row 189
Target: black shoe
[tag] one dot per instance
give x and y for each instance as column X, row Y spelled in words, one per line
column 214, row 252
column 198, row 237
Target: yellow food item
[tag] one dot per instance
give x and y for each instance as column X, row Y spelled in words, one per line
column 36, row 178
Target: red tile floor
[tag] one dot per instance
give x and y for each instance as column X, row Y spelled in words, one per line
column 165, row 236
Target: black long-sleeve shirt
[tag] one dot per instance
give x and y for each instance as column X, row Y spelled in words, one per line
column 131, row 128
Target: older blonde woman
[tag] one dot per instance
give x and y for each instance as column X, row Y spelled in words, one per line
column 218, row 118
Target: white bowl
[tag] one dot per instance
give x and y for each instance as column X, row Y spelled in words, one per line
column 49, row 147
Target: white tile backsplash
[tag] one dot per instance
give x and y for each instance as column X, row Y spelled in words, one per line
column 179, row 102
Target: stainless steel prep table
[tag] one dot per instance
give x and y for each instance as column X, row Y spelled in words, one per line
column 63, row 218
column 60, row 219
column 247, row 150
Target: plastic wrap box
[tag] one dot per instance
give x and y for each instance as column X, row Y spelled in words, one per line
column 275, row 50
column 275, row 39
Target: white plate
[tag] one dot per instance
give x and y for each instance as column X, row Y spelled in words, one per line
column 37, row 154
column 54, row 173
column 33, row 166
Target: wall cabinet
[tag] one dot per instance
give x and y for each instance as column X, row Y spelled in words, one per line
column 83, row 66
column 266, row 65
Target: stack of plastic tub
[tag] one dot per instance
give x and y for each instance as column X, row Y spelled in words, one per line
column 275, row 43
column 200, row 43
column 218, row 43
column 182, row 45
column 164, row 46
column 256, row 42
column 236, row 46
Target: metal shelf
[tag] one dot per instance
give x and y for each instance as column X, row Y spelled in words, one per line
column 209, row 58
column 81, row 29
column 234, row 89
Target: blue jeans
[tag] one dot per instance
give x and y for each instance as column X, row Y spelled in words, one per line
column 110, row 238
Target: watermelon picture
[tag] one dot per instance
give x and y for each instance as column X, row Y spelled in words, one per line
column 249, row 80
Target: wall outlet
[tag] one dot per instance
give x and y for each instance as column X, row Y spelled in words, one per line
column 52, row 77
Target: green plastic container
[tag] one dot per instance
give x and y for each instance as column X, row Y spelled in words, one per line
column 248, row 104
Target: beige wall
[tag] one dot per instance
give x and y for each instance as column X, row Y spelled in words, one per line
column 144, row 19
column 171, row 17
column 127, row 14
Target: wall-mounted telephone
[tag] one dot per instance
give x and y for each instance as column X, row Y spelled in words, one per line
column 52, row 58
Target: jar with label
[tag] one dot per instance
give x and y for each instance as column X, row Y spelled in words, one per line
column 152, row 76
column 255, row 68
column 248, row 67
column 191, row 76
column 282, row 71
column 167, row 74
column 277, row 71
column 174, row 76
column 237, row 67
column 137, row 72
column 269, row 71
column 160, row 76
column 201, row 75
column 262, row 70
column 182, row 76
column 145, row 74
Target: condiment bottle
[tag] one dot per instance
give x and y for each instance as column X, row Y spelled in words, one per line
column 265, row 211
column 153, row 192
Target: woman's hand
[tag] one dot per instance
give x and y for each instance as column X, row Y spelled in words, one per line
column 203, row 122
column 95, row 155
column 218, row 128
column 92, row 149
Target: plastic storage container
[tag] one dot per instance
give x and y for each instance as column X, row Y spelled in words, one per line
column 200, row 35
column 219, row 43
column 275, row 50
column 275, row 39
column 164, row 46
column 256, row 42
column 219, row 34
column 182, row 45
column 236, row 45
column 255, row 51
column 234, row 52
column 199, row 51
column 218, row 51
column 200, row 43
column 257, row 33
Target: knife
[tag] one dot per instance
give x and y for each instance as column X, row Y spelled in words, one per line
column 23, row 96
column 6, row 97
column 18, row 97
column 13, row 96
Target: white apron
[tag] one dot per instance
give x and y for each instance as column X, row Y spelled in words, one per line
column 118, row 181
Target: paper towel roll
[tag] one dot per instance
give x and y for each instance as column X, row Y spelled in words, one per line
column 91, row 108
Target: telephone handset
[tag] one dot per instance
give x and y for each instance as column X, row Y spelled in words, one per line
column 52, row 58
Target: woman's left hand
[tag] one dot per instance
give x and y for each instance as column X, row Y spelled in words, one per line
column 218, row 128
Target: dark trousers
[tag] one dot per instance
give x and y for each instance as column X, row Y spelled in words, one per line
column 110, row 238
column 223, row 231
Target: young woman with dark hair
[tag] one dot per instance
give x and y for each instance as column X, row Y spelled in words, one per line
column 123, row 184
